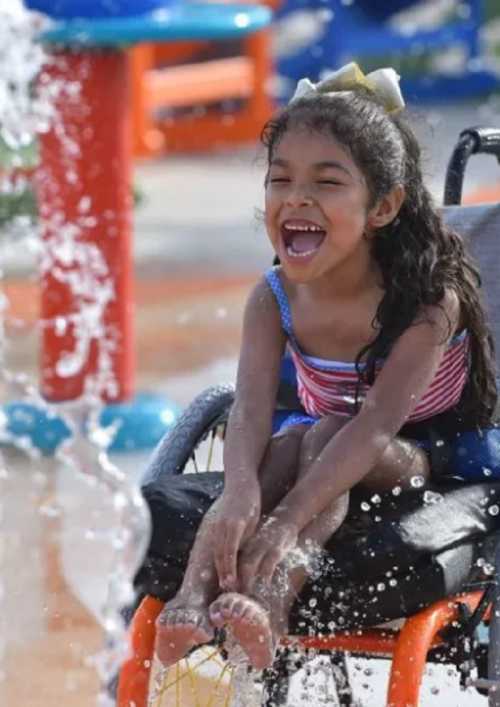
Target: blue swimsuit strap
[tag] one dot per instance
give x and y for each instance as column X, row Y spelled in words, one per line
column 274, row 281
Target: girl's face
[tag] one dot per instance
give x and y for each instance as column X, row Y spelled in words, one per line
column 316, row 207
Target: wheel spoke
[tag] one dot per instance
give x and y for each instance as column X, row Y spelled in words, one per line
column 187, row 670
column 213, row 437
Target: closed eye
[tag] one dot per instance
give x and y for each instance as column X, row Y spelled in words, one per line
column 329, row 181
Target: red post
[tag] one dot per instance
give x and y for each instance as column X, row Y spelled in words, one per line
column 84, row 189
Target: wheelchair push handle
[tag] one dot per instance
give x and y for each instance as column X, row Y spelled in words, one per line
column 472, row 141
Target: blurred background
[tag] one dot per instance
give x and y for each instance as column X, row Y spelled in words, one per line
column 198, row 168
column 197, row 109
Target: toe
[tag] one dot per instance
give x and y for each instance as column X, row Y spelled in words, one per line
column 238, row 608
column 174, row 618
column 226, row 611
column 215, row 615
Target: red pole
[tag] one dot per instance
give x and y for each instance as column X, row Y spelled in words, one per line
column 84, row 190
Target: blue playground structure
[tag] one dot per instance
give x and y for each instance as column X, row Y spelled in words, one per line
column 360, row 31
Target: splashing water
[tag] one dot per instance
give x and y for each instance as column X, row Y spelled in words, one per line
column 92, row 522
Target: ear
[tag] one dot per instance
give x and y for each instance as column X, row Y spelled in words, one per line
column 387, row 208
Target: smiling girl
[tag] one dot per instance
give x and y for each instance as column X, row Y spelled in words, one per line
column 377, row 304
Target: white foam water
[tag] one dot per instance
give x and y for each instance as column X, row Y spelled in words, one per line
column 95, row 516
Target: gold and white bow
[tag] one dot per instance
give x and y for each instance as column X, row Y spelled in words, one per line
column 384, row 83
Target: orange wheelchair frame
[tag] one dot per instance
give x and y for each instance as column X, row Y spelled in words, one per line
column 408, row 648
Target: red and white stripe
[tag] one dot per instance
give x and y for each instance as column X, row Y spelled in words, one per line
column 332, row 391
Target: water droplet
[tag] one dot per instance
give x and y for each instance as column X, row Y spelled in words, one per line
column 431, row 497
column 50, row 510
column 60, row 326
column 493, row 510
column 365, row 506
column 417, row 482
column 84, row 204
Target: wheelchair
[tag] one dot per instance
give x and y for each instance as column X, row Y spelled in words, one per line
column 428, row 558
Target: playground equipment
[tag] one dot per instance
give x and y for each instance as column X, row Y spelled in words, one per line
column 84, row 190
column 354, row 31
column 200, row 95
column 438, row 562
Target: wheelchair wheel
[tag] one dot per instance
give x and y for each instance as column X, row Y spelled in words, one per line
column 195, row 442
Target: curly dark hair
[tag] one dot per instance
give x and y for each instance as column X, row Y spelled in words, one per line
column 420, row 258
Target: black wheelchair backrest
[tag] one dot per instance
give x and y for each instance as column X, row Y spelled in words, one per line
column 480, row 228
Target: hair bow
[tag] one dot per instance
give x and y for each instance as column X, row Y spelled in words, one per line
column 384, row 83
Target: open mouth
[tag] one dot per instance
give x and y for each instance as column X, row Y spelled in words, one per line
column 302, row 238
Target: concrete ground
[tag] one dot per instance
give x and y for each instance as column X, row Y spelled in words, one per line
column 199, row 245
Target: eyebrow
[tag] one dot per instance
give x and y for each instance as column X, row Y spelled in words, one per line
column 326, row 164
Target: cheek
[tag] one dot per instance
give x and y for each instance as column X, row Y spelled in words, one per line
column 354, row 212
column 270, row 211
column 269, row 199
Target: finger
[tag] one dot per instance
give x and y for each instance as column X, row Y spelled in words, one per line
column 219, row 545
column 250, row 560
column 268, row 565
column 231, row 548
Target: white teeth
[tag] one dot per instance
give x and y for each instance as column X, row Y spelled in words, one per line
column 293, row 227
column 303, row 254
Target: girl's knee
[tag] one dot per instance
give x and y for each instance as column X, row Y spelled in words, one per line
column 316, row 438
column 401, row 462
column 278, row 470
column 408, row 457
column 285, row 444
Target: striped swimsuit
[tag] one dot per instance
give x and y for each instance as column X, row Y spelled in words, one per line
column 332, row 387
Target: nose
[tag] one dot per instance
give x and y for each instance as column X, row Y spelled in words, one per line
column 298, row 195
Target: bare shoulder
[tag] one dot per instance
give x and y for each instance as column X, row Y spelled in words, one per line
column 262, row 345
column 261, row 303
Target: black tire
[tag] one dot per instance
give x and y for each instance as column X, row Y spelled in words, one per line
column 205, row 412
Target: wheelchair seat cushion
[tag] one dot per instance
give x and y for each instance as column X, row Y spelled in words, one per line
column 386, row 561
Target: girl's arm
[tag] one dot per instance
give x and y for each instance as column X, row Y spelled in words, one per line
column 356, row 448
column 250, row 419
column 249, row 428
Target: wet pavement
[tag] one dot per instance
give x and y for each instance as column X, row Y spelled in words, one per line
column 198, row 247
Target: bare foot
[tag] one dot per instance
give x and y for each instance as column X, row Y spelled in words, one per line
column 179, row 629
column 250, row 624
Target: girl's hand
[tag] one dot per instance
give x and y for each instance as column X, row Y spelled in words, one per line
column 264, row 551
column 236, row 521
